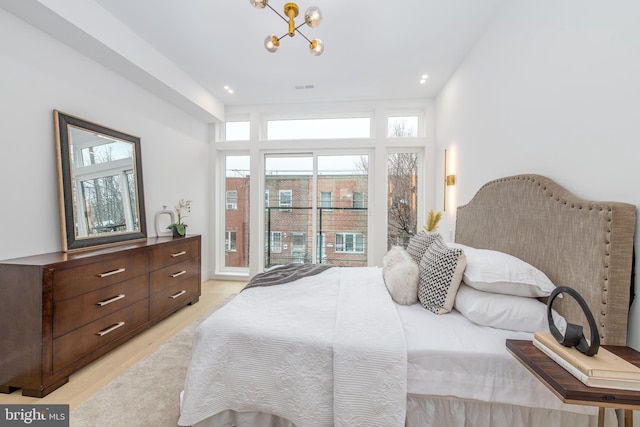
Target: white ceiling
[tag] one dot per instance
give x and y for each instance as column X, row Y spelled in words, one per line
column 373, row 50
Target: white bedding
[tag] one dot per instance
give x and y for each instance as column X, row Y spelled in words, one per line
column 343, row 365
column 276, row 360
column 450, row 356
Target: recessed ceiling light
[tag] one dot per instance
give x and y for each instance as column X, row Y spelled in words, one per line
column 228, row 89
column 423, row 79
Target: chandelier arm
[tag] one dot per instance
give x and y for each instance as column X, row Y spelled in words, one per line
column 305, row 37
column 278, row 13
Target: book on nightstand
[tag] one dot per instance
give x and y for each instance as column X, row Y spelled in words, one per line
column 605, row 369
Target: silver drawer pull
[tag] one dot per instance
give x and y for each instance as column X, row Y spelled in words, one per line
column 111, row 273
column 109, row 301
column 178, row 294
column 177, row 254
column 110, row 329
column 179, row 273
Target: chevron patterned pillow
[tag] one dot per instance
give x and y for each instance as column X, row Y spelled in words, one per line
column 419, row 244
column 441, row 271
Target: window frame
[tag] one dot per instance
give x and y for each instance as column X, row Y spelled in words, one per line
column 354, row 236
column 357, row 200
column 234, row 205
column 228, row 240
column 277, row 250
column 283, row 206
column 377, row 146
column 325, row 204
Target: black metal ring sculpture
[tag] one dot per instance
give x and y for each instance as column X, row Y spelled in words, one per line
column 573, row 336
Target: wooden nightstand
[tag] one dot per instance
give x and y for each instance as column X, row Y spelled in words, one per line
column 571, row 390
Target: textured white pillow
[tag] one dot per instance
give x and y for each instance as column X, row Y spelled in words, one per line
column 493, row 271
column 441, row 270
column 401, row 275
column 419, row 243
column 505, row 311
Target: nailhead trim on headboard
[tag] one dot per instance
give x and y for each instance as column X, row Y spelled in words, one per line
column 587, row 245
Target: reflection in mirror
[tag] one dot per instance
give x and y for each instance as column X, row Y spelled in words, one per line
column 101, row 183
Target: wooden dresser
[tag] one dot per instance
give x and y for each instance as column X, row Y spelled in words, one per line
column 60, row 311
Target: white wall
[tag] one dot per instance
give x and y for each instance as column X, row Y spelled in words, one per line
column 552, row 87
column 38, row 75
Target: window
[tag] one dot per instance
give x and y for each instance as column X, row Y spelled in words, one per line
column 321, row 249
column 266, row 198
column 232, row 200
column 402, row 126
column 299, row 247
column 284, row 197
column 237, row 131
column 325, row 199
column 349, row 242
column 276, row 241
column 402, row 196
column 298, row 242
column 235, row 210
column 230, row 241
column 358, row 199
column 358, row 127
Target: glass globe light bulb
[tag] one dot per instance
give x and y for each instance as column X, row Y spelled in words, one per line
column 313, row 16
column 271, row 43
column 259, row 4
column 316, row 47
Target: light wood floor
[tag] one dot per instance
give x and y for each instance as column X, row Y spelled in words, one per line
column 88, row 380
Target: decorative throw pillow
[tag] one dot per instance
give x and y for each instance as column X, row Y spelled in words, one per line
column 419, row 243
column 501, row 273
column 441, row 271
column 401, row 276
column 505, row 311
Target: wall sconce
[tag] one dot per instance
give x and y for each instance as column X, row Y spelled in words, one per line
column 449, row 180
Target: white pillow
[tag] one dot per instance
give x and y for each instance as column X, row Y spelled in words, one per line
column 401, row 276
column 441, row 270
column 498, row 272
column 505, row 311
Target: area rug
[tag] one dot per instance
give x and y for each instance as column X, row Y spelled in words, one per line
column 148, row 393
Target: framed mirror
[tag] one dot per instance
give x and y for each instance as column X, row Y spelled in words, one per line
column 100, row 180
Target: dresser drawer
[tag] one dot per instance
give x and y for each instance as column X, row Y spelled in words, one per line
column 70, row 282
column 174, row 253
column 75, row 312
column 81, row 342
column 173, row 297
column 168, row 277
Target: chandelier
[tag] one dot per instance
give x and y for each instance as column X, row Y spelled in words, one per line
column 312, row 18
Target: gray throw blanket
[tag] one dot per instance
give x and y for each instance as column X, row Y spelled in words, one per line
column 285, row 274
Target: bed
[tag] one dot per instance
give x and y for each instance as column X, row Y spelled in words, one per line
column 333, row 348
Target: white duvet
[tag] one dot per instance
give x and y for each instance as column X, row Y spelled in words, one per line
column 450, row 356
column 333, row 349
column 343, row 365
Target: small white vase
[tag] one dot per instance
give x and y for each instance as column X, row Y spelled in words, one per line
column 162, row 223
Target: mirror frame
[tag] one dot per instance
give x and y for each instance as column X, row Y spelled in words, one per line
column 70, row 242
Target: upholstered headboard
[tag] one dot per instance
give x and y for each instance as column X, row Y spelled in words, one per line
column 582, row 244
